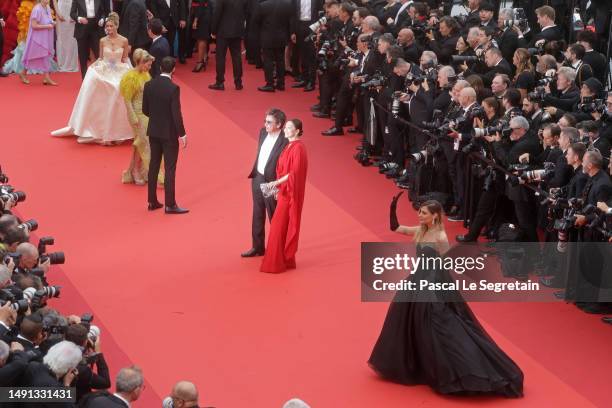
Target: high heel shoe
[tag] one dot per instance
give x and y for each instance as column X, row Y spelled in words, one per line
column 49, row 82
column 199, row 66
column 24, row 79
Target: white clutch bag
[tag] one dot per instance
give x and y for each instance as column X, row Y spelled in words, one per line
column 268, row 189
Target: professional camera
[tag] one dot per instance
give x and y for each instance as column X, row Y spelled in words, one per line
column 14, row 255
column 537, row 50
column 54, row 257
column 314, row 27
column 437, row 121
column 539, row 174
column 18, row 305
column 590, row 104
column 30, row 225
column 431, row 148
column 3, row 177
column 7, row 192
column 538, row 94
column 502, row 127
column 39, row 300
column 467, row 58
column 374, row 81
column 396, row 103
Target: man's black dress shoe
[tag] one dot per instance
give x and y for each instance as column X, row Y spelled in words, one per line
column 559, row 294
column 318, row 114
column 182, row 60
column 607, row 319
column 266, row 88
column 280, row 87
column 299, row 84
column 3, row 74
column 176, row 210
column 309, row 88
column 239, row 86
column 154, row 206
column 464, row 238
column 315, row 108
column 334, row 131
column 251, row 253
column 217, row 87
column 551, row 282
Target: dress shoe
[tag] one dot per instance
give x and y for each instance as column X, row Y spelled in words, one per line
column 182, row 60
column 355, row 130
column 239, row 86
column 309, row 88
column 280, row 87
column 551, row 282
column 299, row 84
column 175, row 209
column 154, row 206
column 464, row 238
column 333, row 131
column 456, row 218
column 320, row 114
column 315, row 108
column 217, row 87
column 266, row 88
column 607, row 319
column 453, row 211
column 3, row 74
column 559, row 294
column 594, row 308
column 251, row 253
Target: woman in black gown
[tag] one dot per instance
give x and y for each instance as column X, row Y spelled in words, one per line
column 436, row 341
column 202, row 16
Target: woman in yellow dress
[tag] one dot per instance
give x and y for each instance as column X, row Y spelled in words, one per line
column 131, row 87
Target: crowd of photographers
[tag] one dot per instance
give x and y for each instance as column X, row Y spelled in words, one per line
column 39, row 347
column 502, row 115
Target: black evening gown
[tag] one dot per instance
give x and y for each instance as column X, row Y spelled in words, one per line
column 438, row 341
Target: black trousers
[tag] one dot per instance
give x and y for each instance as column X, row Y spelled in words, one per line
column 274, row 57
column 484, row 211
column 183, row 42
column 90, row 41
column 305, row 54
column 1, row 45
column 329, row 83
column 261, row 205
column 168, row 149
column 170, row 35
column 344, row 102
column 234, row 47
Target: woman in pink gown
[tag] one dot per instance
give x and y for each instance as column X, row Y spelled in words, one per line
column 39, row 44
column 290, row 181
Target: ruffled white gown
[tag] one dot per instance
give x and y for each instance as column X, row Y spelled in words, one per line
column 99, row 113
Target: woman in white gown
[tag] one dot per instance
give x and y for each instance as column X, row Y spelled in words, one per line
column 99, row 114
column 66, row 45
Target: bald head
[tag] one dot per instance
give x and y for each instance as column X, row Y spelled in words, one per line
column 405, row 36
column 7, row 221
column 467, row 96
column 185, row 391
column 29, row 255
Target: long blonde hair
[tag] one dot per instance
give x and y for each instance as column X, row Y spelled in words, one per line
column 141, row 55
column 435, row 208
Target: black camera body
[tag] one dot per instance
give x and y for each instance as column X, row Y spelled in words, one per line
column 590, row 104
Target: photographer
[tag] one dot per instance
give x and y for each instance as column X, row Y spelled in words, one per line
column 567, row 94
column 496, row 65
column 444, row 42
column 549, row 31
column 597, row 142
column 573, row 58
column 606, row 119
column 521, row 142
column 13, row 362
column 412, row 51
column 507, row 37
column 533, row 112
column 594, row 59
column 512, row 103
column 305, row 13
column 87, row 379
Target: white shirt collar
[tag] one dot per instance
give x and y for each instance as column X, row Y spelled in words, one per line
column 577, row 64
column 550, row 26
column 166, row 75
column 156, row 38
column 122, row 399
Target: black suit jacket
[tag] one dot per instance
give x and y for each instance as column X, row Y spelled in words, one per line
column 39, row 375
column 564, row 101
column 577, row 183
column 601, row 188
column 563, row 172
column 526, row 144
column 598, row 63
column 102, row 399
column 133, row 23
column 603, row 145
column 550, row 34
column 11, row 372
column 159, row 49
column 175, row 13
column 161, row 102
column 279, row 146
column 229, row 17
column 274, row 19
column 79, row 9
column 444, row 47
column 508, row 42
column 412, row 53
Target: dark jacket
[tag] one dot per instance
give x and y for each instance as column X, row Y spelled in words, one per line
column 597, row 62
column 444, row 47
column 274, row 19
column 229, row 18
column 564, row 101
column 133, row 24
column 315, row 7
column 550, row 34
column 279, row 146
column 102, row 399
column 508, row 43
column 508, row 156
column 79, row 9
column 161, row 102
column 160, row 49
column 173, row 14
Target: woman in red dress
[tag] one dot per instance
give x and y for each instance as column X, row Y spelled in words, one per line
column 291, row 182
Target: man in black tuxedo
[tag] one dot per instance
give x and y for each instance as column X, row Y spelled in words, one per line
column 160, row 48
column 305, row 13
column 173, row 15
column 129, row 385
column 496, row 65
column 2, row 24
column 274, row 20
column 272, row 141
column 549, row 31
column 161, row 103
column 444, row 44
column 507, row 38
column 596, row 60
column 89, row 17
column 228, row 24
column 133, row 24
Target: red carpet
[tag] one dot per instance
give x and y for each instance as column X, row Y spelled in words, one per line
column 178, row 300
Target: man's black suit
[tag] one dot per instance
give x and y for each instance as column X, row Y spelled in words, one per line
column 603, row 145
column 39, row 375
column 597, row 62
column 133, row 24
column 550, row 34
column 103, row 399
column 169, row 16
column 444, row 47
column 162, row 104
column 88, row 35
column 159, row 49
column 502, row 67
column 508, row 42
column 228, row 24
column 565, row 100
column 305, row 49
column 261, row 205
column 274, row 19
